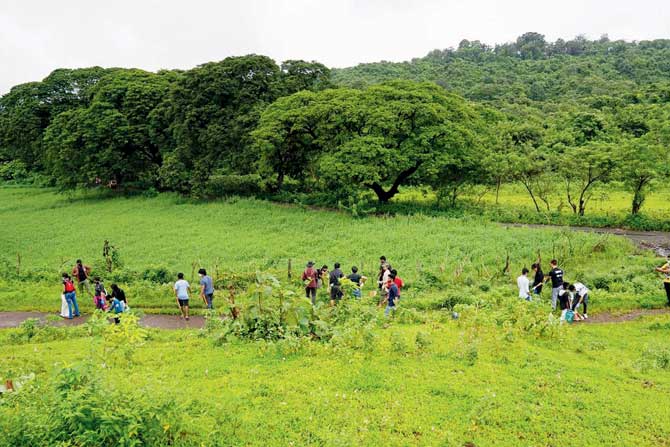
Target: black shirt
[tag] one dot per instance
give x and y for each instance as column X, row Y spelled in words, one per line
column 355, row 278
column 81, row 273
column 538, row 279
column 335, row 276
column 556, row 276
column 119, row 295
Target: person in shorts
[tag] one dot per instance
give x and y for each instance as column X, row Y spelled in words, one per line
column 206, row 288
column 181, row 290
column 556, row 276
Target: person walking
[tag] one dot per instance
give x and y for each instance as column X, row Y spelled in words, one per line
column 380, row 278
column 81, row 272
column 391, row 298
column 70, row 296
column 310, row 278
column 538, row 278
column 334, row 281
column 206, row 288
column 665, row 269
column 524, row 283
column 181, row 290
column 556, row 276
column 581, row 297
column 397, row 281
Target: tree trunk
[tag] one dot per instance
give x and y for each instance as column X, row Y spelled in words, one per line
column 498, row 183
column 532, row 196
column 638, row 195
column 384, row 196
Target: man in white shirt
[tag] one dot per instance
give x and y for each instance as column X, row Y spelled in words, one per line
column 524, row 283
column 581, row 296
column 181, row 291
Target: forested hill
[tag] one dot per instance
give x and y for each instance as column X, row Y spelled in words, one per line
column 532, row 70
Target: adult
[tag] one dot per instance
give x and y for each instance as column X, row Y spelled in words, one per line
column 334, row 281
column 355, row 278
column 556, row 276
column 524, row 285
column 380, row 278
column 70, row 296
column 206, row 288
column 81, row 272
column 181, row 291
column 310, row 278
column 384, row 276
column 665, row 269
column 581, row 297
column 538, row 278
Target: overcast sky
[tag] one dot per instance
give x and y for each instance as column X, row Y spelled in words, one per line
column 39, row 36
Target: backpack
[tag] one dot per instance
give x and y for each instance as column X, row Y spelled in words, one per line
column 569, row 316
column 69, row 287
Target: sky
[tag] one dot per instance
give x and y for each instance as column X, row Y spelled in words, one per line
column 37, row 37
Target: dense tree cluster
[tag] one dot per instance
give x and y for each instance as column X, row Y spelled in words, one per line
column 550, row 116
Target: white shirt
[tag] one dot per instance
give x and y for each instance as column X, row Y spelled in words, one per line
column 580, row 289
column 524, row 283
column 181, row 287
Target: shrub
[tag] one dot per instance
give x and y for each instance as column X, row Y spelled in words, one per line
column 225, row 185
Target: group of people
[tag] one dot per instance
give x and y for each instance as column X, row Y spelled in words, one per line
column 389, row 284
column 114, row 302
column 563, row 294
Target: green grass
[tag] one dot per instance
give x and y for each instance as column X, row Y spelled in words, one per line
column 438, row 257
column 591, row 385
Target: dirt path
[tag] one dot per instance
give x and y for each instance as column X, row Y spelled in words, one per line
column 608, row 317
column 659, row 241
column 13, row 319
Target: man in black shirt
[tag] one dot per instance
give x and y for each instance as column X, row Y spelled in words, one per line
column 556, row 276
column 355, row 277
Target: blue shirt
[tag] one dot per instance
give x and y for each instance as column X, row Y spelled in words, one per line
column 393, row 294
column 209, row 285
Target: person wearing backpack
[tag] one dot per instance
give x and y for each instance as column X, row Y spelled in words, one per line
column 82, row 272
column 310, row 278
column 70, row 296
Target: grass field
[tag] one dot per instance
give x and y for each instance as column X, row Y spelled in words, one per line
column 587, row 385
column 503, row 374
column 438, row 257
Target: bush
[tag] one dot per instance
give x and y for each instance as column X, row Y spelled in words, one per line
column 225, row 185
column 13, row 171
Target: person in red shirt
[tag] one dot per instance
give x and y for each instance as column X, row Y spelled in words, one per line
column 397, row 281
column 309, row 277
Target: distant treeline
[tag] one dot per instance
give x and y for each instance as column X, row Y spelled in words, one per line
column 562, row 115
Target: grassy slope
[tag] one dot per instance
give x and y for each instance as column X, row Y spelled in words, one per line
column 243, row 236
column 585, row 388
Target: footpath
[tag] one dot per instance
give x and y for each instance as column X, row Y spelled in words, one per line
column 14, row 319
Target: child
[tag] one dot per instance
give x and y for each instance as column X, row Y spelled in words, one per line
column 70, row 296
column 392, row 296
column 398, row 282
column 117, row 306
column 100, row 294
column 181, row 291
column 523, row 283
column 564, row 298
